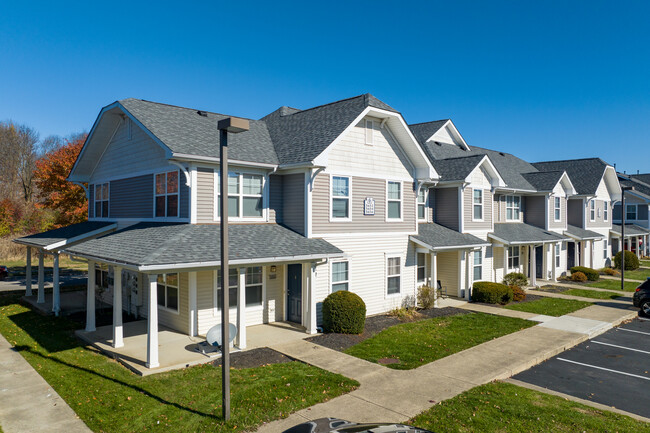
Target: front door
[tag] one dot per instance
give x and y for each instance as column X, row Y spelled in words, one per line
column 539, row 262
column 571, row 254
column 294, row 293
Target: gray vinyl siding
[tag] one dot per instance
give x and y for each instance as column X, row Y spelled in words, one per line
column 91, row 201
column 468, row 211
column 535, row 211
column 616, row 212
column 184, row 197
column 600, row 215
column 361, row 187
column 431, row 202
column 446, row 207
column 552, row 224
column 275, row 198
column 132, row 197
column 293, row 203
column 205, row 195
column 574, row 212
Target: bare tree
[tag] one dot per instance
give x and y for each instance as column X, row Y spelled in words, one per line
column 19, row 150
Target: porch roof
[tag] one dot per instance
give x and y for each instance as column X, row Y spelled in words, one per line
column 166, row 246
column 521, row 234
column 581, row 234
column 440, row 238
column 65, row 236
column 630, row 230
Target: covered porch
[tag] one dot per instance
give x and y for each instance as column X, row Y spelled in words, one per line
column 636, row 239
column 580, row 248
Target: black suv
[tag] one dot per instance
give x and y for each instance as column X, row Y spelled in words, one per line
column 641, row 298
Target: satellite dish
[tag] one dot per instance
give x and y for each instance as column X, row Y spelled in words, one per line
column 213, row 337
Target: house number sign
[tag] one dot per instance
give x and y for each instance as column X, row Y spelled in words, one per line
column 369, row 206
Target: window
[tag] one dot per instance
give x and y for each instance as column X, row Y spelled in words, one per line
column 422, row 204
column 478, row 265
column 393, row 282
column 557, row 208
column 254, row 278
column 232, row 288
column 167, row 194
column 592, row 210
column 244, row 195
column 103, row 277
column 478, row 205
column 421, row 265
column 513, row 207
column 605, row 255
column 557, row 255
column 340, row 278
column 340, row 197
column 168, row 291
column 513, row 257
column 605, row 211
column 394, row 199
column 630, row 213
column 101, row 200
column 370, row 129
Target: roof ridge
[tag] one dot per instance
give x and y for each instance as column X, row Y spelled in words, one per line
column 477, row 155
column 329, row 103
column 430, row 121
column 569, row 160
column 185, row 108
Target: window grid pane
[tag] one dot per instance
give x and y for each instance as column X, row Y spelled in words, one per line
column 340, row 186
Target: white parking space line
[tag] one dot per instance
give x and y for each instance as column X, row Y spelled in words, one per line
column 621, row 347
column 632, row 330
column 603, row 368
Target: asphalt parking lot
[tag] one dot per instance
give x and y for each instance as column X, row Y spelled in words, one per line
column 612, row 369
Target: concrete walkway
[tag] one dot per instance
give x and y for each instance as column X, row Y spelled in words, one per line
column 584, row 287
column 610, row 277
column 27, row 402
column 387, row 395
column 580, row 298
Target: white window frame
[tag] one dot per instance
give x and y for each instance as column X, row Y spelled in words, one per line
column 605, row 248
column 482, row 205
column 558, row 250
column 166, row 195
column 605, row 211
column 423, row 204
column 346, row 281
column 262, row 285
column 479, row 266
column 215, row 275
column 369, row 132
column 512, row 256
column 401, row 201
column 178, row 293
column 592, row 210
column 388, row 258
column 557, row 209
column 419, row 266
column 513, row 207
column 348, row 198
column 636, row 212
column 240, row 196
column 107, row 200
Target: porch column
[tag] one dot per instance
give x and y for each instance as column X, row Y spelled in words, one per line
column 533, row 265
column 505, row 260
column 56, row 290
column 591, row 253
column 311, row 326
column 28, row 272
column 193, row 325
column 434, row 278
column 240, row 340
column 555, row 260
column 41, row 278
column 118, row 337
column 152, row 323
column 469, row 265
column 90, row 298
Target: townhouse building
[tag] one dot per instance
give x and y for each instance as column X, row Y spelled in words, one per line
column 637, row 222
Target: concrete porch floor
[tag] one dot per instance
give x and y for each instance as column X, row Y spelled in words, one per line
column 71, row 302
column 177, row 350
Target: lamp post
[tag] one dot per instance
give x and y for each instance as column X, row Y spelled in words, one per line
column 233, row 125
column 623, row 189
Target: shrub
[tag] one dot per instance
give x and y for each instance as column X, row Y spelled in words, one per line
column 591, row 274
column 631, row 261
column 578, row 277
column 515, row 279
column 403, row 313
column 344, row 312
column 426, row 297
column 610, row 271
column 518, row 293
column 491, row 293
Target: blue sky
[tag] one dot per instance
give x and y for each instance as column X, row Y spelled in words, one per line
column 541, row 80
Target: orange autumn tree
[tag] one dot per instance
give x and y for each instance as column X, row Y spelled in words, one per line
column 66, row 199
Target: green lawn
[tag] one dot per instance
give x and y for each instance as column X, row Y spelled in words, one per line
column 108, row 397
column 550, row 306
column 590, row 294
column 505, row 408
column 639, row 274
column 630, row 286
column 645, row 263
column 418, row 343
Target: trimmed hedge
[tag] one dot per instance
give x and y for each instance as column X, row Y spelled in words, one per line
column 492, row 293
column 344, row 312
column 515, row 279
column 592, row 274
column 579, row 277
column 631, row 261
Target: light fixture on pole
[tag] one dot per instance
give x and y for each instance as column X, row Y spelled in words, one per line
column 232, row 125
column 623, row 210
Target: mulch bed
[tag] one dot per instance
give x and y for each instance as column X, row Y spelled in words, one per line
column 376, row 324
column 254, row 358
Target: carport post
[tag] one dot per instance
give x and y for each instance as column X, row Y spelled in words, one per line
column 56, row 290
column 41, row 278
column 90, row 298
column 434, row 277
column 118, row 336
column 533, row 265
column 152, row 323
column 28, row 272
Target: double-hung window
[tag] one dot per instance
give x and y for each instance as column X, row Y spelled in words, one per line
column 232, row 288
column 394, row 200
column 393, row 275
column 422, row 204
column 167, row 194
column 557, row 208
column 557, row 255
column 605, row 210
column 478, row 205
column 605, row 245
column 101, row 200
column 592, row 210
column 340, row 276
column 421, row 265
column 513, row 207
column 340, row 198
column 513, row 257
column 103, row 277
column 254, row 278
column 630, row 213
column 245, row 195
column 478, row 265
column 168, row 291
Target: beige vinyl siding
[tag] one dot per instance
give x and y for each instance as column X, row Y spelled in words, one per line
column 275, row 198
column 205, row 195
column 205, row 301
column 497, row 262
column 468, row 210
column 431, row 202
column 448, row 263
column 361, row 187
column 574, row 212
column 446, row 207
column 177, row 321
column 124, row 155
column 535, row 211
column 293, row 202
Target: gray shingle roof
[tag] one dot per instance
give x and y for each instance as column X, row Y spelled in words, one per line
column 440, row 237
column 543, row 180
column 184, row 130
column 521, row 233
column 157, row 244
column 630, row 230
column 70, row 233
column 424, row 131
column 585, row 174
column 456, row 168
column 581, row 234
column 643, row 177
column 640, row 187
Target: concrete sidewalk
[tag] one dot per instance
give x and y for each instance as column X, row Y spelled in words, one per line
column 27, row 402
column 622, row 302
column 387, row 395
